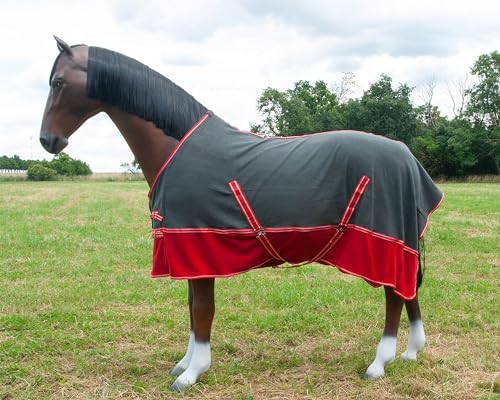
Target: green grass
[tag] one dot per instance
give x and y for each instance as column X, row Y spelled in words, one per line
column 81, row 318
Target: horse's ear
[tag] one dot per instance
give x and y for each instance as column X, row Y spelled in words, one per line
column 63, row 46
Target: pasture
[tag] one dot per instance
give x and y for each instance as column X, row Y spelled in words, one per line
column 80, row 317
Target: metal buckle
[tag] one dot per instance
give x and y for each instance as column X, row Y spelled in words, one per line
column 259, row 232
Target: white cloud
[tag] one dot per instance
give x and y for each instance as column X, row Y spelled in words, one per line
column 226, row 52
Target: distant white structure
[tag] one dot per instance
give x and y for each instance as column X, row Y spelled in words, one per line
column 12, row 171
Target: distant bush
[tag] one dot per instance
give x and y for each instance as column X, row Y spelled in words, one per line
column 67, row 166
column 38, row 172
column 62, row 164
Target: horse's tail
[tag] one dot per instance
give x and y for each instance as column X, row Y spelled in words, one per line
column 421, row 262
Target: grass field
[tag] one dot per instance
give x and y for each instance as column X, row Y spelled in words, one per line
column 81, row 319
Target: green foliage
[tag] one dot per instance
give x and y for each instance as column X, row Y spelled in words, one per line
column 62, row 164
column 39, row 172
column 469, row 144
column 383, row 110
column 67, row 166
column 132, row 168
column 303, row 109
column 484, row 105
column 13, row 163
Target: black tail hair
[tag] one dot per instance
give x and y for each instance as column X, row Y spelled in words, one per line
column 421, row 262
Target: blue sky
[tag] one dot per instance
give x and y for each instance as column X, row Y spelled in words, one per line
column 226, row 52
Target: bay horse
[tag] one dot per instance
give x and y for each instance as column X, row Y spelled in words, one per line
column 205, row 229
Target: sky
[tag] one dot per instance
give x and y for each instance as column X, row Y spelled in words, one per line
column 226, row 52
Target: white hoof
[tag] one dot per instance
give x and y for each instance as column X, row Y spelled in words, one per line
column 416, row 341
column 386, row 351
column 183, row 382
column 184, row 363
column 409, row 356
column 180, row 368
column 199, row 363
column 188, row 378
column 374, row 371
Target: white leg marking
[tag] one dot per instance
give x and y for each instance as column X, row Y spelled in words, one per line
column 386, row 351
column 184, row 363
column 416, row 341
column 201, row 359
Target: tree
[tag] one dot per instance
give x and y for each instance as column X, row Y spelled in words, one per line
column 427, row 112
column 484, row 104
column 38, row 172
column 345, row 87
column 14, row 162
column 65, row 165
column 383, row 110
column 459, row 95
column 133, row 167
column 304, row 109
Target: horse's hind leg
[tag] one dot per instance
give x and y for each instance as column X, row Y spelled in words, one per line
column 184, row 363
column 386, row 350
column 202, row 314
column 416, row 337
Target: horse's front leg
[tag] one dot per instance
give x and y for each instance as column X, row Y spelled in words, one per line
column 416, row 337
column 184, row 363
column 202, row 310
column 386, row 350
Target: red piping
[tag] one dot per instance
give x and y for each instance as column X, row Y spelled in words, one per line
column 429, row 217
column 171, row 156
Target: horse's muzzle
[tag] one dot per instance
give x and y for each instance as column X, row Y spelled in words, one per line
column 52, row 143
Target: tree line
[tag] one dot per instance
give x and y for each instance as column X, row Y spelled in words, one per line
column 467, row 144
column 61, row 165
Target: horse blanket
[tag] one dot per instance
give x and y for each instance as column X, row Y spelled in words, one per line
column 228, row 201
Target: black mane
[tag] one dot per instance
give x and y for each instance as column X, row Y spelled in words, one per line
column 137, row 89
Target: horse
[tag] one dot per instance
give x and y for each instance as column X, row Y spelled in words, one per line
column 200, row 226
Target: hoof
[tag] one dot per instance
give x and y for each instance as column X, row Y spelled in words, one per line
column 409, row 356
column 185, row 380
column 374, row 372
column 370, row 377
column 177, row 371
column 178, row 387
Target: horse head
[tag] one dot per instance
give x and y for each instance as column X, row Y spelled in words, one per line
column 68, row 105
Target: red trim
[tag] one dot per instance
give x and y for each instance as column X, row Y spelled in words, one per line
column 291, row 229
column 171, row 156
column 306, row 134
column 429, row 217
column 252, row 220
column 351, row 206
column 384, row 237
column 245, row 207
column 155, row 215
column 353, row 202
column 264, row 264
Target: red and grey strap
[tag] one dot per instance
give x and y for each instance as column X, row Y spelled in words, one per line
column 252, row 220
column 261, row 233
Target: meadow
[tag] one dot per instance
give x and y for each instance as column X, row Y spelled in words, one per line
column 80, row 318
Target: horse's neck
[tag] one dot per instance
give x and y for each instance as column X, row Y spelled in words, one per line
column 150, row 145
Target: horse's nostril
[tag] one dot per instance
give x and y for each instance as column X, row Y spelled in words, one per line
column 53, row 143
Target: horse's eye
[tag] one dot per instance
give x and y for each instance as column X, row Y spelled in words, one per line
column 57, row 83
